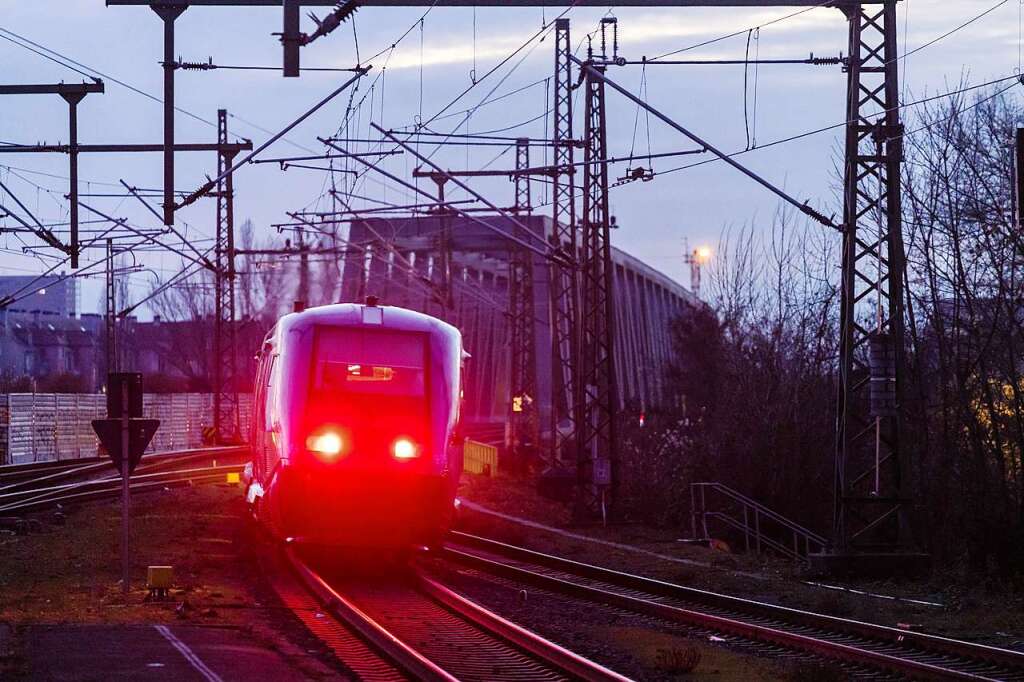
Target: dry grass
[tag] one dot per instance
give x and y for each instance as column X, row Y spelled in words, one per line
column 680, row 658
column 71, row 572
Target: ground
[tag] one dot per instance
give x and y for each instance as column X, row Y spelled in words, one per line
column 67, row 571
column 977, row 612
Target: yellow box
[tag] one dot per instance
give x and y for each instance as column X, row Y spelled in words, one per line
column 233, row 477
column 159, row 577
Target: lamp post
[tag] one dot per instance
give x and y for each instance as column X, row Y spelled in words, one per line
column 695, row 259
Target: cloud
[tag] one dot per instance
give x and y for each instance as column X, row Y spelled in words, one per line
column 637, row 32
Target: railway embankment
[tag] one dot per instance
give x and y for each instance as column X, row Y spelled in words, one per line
column 508, row 508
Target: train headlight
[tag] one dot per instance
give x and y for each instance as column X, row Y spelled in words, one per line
column 403, row 448
column 326, row 444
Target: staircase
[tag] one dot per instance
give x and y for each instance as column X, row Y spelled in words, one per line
column 761, row 528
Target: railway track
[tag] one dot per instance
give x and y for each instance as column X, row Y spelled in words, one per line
column 422, row 630
column 38, row 486
column 489, row 434
column 901, row 653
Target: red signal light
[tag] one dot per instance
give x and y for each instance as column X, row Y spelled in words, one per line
column 403, row 448
column 326, row 444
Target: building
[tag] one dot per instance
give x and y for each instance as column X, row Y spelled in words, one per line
column 53, row 294
column 45, row 345
column 44, row 351
column 398, row 260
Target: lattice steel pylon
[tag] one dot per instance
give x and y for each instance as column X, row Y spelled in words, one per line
column 522, row 410
column 110, row 318
column 871, row 488
column 522, row 179
column 225, row 350
column 597, row 391
column 564, row 280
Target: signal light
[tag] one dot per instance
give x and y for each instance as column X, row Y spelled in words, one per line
column 327, row 444
column 403, row 448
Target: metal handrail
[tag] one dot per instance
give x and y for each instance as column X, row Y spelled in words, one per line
column 804, row 540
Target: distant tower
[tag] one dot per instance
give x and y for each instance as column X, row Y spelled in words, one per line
column 695, row 259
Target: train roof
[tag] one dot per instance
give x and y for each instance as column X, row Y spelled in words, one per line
column 361, row 315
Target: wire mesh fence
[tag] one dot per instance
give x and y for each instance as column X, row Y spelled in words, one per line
column 39, row 427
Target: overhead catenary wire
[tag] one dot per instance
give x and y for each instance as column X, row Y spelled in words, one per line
column 740, row 32
column 274, row 138
column 824, row 129
column 545, row 252
column 803, row 207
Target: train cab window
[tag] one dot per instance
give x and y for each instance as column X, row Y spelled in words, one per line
column 384, row 363
column 370, row 384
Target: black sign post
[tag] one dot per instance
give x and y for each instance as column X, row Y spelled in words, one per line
column 125, row 436
column 126, row 473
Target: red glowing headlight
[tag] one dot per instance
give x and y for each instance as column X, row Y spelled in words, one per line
column 403, row 448
column 326, row 444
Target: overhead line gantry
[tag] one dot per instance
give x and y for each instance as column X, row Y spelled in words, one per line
column 871, row 487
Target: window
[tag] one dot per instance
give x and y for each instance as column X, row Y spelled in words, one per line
column 273, row 381
column 369, row 362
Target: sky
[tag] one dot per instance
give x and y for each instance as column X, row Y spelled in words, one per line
column 453, row 61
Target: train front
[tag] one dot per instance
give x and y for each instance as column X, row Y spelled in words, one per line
column 372, row 408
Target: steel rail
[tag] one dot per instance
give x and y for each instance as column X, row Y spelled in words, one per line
column 15, row 476
column 40, row 498
column 374, row 634
column 417, row 664
column 113, row 492
column 537, row 646
column 733, row 622
column 32, row 499
column 935, row 643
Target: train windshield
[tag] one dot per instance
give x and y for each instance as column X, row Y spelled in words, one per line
column 379, row 362
column 369, row 387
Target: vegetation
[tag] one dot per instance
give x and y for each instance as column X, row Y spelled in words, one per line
column 757, row 371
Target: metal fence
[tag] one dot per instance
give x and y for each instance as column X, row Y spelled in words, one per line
column 36, row 427
column 479, row 458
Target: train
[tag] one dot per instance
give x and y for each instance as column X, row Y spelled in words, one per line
column 355, row 434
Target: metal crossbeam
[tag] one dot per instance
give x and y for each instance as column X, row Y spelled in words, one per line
column 232, row 147
column 872, row 507
column 504, row 3
column 52, row 89
column 72, row 93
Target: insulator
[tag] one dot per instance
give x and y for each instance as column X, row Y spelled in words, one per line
column 195, row 66
column 825, row 61
column 331, row 21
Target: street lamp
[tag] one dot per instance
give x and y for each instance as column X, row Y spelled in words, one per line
column 695, row 260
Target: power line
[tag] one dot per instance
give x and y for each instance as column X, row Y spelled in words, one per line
column 97, row 72
column 818, row 131
column 734, row 34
